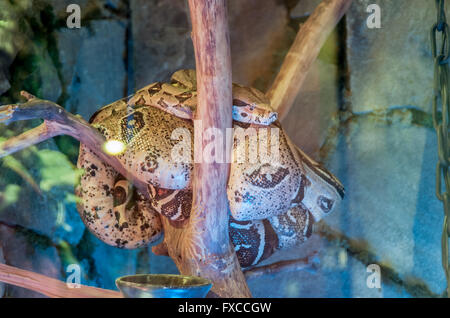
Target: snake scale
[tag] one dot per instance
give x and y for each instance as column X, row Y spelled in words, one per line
column 273, row 204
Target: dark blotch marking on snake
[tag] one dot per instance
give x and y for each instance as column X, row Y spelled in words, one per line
column 261, row 180
column 132, row 125
column 304, row 183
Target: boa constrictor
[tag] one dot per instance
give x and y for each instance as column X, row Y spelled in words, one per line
column 272, row 204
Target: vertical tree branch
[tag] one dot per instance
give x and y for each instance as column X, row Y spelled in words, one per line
column 303, row 52
column 203, row 248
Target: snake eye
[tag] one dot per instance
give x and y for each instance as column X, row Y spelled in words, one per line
column 155, row 88
column 267, row 176
column 183, row 96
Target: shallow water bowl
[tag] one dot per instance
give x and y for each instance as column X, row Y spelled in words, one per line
column 163, row 286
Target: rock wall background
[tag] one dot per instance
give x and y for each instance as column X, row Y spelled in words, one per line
column 364, row 110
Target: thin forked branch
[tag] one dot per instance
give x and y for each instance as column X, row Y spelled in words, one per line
column 57, row 121
column 308, row 263
column 303, row 52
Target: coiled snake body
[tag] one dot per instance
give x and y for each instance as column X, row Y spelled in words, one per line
column 273, row 204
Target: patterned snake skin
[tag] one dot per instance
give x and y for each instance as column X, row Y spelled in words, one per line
column 273, row 204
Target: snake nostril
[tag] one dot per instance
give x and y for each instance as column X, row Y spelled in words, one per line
column 325, row 203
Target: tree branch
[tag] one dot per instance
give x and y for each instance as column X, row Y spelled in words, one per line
column 307, row 263
column 203, row 247
column 303, row 52
column 57, row 121
column 49, row 286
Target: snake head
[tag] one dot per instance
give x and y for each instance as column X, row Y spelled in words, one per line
column 252, row 106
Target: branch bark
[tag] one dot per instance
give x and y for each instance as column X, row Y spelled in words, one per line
column 203, row 247
column 294, row 265
column 49, row 286
column 303, row 52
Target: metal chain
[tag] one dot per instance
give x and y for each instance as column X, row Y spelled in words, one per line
column 441, row 122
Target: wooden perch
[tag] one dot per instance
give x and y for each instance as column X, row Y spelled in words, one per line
column 203, row 247
column 57, row 121
column 293, row 265
column 49, row 286
column 303, row 52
